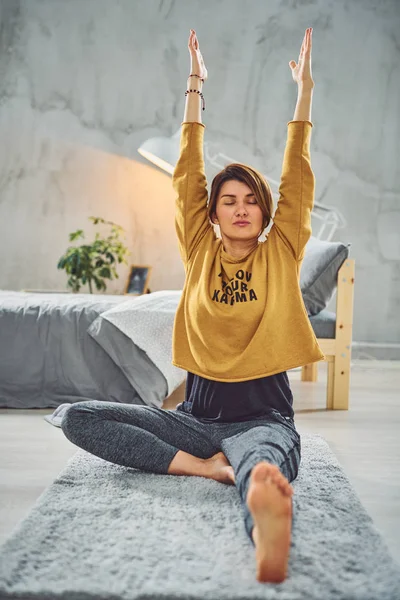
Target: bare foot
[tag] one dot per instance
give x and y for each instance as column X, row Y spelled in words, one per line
column 220, row 469
column 269, row 499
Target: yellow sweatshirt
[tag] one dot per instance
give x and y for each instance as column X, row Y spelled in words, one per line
column 242, row 319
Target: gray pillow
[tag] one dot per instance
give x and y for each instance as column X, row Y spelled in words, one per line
column 318, row 273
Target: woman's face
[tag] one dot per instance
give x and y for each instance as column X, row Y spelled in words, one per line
column 236, row 202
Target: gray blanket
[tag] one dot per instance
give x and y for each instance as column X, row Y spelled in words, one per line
column 48, row 357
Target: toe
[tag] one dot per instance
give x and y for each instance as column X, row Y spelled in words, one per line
column 281, row 482
column 260, row 471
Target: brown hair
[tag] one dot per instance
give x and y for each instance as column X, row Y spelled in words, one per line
column 251, row 177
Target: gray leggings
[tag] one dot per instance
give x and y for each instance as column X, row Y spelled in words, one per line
column 148, row 438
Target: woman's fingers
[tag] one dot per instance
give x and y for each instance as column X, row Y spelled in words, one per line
column 307, row 39
column 306, row 45
column 303, row 45
column 193, row 41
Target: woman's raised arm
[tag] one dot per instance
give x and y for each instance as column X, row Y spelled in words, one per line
column 301, row 74
column 194, row 99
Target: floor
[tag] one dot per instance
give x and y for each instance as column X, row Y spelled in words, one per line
column 365, row 439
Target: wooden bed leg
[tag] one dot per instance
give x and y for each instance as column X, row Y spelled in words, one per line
column 309, row 372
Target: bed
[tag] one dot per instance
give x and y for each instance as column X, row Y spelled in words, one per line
column 57, row 348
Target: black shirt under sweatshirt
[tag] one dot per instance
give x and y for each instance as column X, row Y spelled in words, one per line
column 219, row 401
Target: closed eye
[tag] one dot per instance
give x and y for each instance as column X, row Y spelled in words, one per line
column 229, row 203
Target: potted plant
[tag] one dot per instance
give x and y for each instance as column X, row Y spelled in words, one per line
column 96, row 261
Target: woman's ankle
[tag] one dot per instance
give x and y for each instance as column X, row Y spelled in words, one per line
column 184, row 463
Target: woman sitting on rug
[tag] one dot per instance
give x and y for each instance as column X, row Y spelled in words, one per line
column 240, row 324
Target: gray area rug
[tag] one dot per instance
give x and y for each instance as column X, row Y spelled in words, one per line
column 102, row 531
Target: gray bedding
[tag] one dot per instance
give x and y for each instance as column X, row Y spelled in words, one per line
column 48, row 357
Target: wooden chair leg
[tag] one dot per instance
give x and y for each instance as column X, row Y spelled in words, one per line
column 309, row 372
column 330, row 383
column 341, row 381
column 343, row 336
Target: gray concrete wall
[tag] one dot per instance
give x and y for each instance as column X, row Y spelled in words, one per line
column 84, row 83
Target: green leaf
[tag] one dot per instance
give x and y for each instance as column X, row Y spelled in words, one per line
column 76, row 234
column 105, row 272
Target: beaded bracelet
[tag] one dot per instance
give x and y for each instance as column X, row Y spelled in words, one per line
column 197, row 91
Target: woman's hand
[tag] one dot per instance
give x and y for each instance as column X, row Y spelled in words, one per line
column 302, row 71
column 197, row 65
